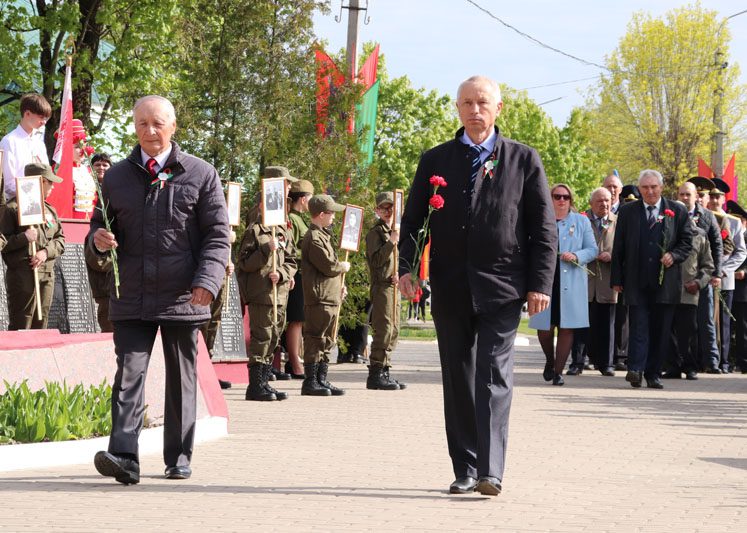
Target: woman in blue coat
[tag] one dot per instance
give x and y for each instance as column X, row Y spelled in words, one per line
column 569, row 307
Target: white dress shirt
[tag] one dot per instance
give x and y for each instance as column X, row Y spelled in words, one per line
column 160, row 158
column 20, row 149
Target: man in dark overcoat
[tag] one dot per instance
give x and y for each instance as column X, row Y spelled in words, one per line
column 493, row 247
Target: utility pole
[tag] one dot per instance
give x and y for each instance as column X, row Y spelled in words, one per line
column 717, row 156
column 351, row 51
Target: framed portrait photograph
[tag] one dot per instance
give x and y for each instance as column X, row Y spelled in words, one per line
column 273, row 202
column 352, row 226
column 30, row 198
column 233, row 203
column 399, row 206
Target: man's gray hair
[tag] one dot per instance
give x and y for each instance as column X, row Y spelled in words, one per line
column 649, row 172
column 171, row 112
column 496, row 89
column 599, row 190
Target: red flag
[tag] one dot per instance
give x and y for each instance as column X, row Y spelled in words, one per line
column 730, row 178
column 704, row 170
column 367, row 73
column 328, row 77
column 61, row 197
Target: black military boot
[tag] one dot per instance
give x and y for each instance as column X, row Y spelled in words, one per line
column 279, row 395
column 378, row 380
column 401, row 385
column 321, row 377
column 310, row 385
column 257, row 389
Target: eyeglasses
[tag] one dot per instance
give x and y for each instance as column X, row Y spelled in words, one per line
column 565, row 197
column 387, row 209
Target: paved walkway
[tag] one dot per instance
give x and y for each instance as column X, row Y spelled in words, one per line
column 594, row 455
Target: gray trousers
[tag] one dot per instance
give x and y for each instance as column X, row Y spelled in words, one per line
column 707, row 341
column 133, row 344
column 477, row 359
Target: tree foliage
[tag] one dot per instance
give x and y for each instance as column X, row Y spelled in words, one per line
column 655, row 106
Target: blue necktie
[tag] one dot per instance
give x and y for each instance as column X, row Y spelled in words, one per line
column 475, row 151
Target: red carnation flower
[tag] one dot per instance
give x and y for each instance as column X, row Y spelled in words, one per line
column 724, row 234
column 437, row 181
column 436, row 201
column 89, row 150
column 669, row 212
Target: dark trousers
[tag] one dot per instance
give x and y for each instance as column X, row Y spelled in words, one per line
column 725, row 319
column 684, row 356
column 740, row 314
column 579, row 348
column 707, row 343
column 650, row 328
column 133, row 344
column 601, row 341
column 621, row 332
column 477, row 357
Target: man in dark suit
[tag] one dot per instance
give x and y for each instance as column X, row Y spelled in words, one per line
column 653, row 236
column 493, row 246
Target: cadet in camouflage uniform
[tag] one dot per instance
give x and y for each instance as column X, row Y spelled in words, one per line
column 380, row 242
column 50, row 244
column 322, row 294
column 256, row 280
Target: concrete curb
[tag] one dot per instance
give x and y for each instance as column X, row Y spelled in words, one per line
column 73, row 452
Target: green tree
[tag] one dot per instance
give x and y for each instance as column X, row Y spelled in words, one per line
column 119, row 49
column 654, row 108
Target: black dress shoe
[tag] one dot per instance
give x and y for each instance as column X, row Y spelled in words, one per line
column 178, row 472
column 280, row 376
column 558, row 380
column 224, row 384
column 634, row 378
column 654, row 383
column 609, row 371
column 671, row 375
column 574, row 371
column 725, row 370
column 621, row 366
column 691, row 375
column 713, row 370
column 549, row 371
column 488, row 486
column 463, row 485
column 123, row 469
column 289, row 370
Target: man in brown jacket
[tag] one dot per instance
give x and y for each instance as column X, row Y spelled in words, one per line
column 380, row 242
column 602, row 299
column 50, row 244
column 323, row 292
column 256, row 279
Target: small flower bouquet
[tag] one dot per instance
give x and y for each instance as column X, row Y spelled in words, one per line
column 435, row 203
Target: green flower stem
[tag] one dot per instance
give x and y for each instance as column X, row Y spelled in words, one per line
column 579, row 265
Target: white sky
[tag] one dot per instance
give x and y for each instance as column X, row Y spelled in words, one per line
column 438, row 43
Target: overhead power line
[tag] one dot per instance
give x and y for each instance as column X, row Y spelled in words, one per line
column 527, row 36
column 561, row 83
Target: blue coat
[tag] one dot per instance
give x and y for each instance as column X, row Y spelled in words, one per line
column 574, row 235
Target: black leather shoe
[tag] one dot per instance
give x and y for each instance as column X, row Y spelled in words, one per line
column 671, row 375
column 654, row 383
column 549, row 371
column 725, row 370
column 178, row 472
column 558, row 380
column 574, row 371
column 123, row 469
column 609, row 371
column 488, row 486
column 280, row 376
column 691, row 375
column 634, row 378
column 713, row 370
column 463, row 485
column 224, row 384
column 621, row 366
column 289, row 370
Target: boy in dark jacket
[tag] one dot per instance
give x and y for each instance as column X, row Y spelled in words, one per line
column 322, row 293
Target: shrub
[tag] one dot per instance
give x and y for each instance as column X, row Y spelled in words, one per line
column 54, row 413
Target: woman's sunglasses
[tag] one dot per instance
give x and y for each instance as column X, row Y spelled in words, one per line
column 565, row 197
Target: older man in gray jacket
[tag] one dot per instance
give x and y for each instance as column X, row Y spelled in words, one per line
column 171, row 234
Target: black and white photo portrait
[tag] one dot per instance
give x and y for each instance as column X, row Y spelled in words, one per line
column 273, row 201
column 30, row 200
column 352, row 224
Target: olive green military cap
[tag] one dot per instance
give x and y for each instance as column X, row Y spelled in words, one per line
column 279, row 172
column 43, row 170
column 323, row 202
column 384, row 198
column 303, row 186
